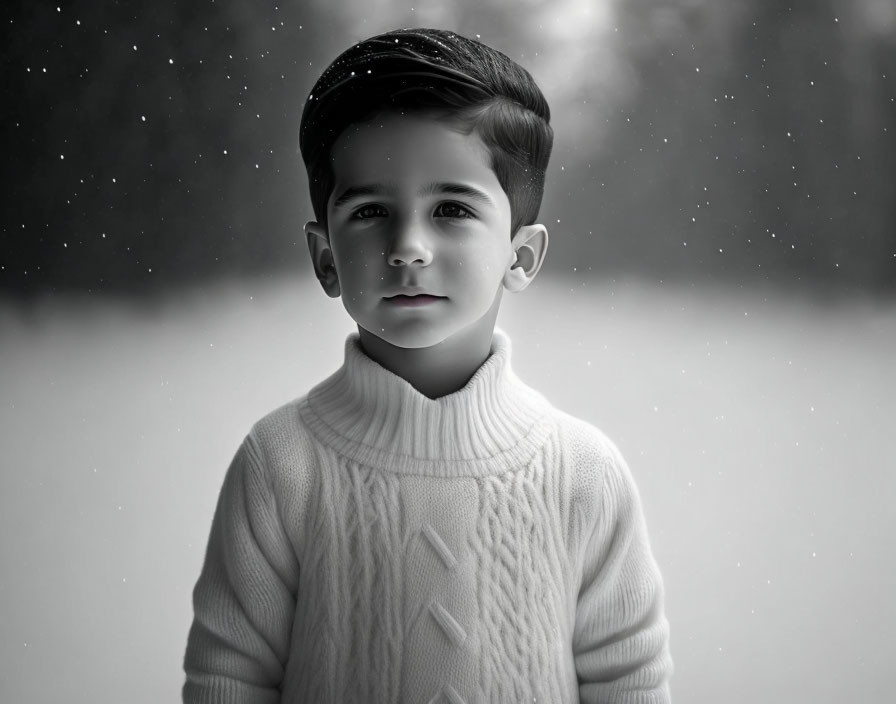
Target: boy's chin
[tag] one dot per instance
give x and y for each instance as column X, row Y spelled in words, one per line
column 417, row 335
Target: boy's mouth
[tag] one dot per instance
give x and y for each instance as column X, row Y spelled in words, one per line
column 420, row 299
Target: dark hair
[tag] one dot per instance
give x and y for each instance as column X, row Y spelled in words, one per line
column 452, row 78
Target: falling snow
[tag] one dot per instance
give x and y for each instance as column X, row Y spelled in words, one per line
column 727, row 339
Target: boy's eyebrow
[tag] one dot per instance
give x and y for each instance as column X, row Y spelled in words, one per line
column 371, row 189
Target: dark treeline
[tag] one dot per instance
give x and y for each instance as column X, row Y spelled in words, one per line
column 764, row 152
column 782, row 155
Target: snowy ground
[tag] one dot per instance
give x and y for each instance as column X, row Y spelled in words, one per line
column 759, row 429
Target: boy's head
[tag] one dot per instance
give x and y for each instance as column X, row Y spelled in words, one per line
column 426, row 155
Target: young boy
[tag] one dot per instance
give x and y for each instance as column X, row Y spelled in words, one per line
column 422, row 526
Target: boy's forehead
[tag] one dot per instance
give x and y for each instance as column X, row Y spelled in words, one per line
column 415, row 157
column 396, row 142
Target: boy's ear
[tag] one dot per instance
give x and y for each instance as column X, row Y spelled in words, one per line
column 530, row 244
column 322, row 258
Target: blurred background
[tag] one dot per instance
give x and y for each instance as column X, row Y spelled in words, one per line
column 718, row 297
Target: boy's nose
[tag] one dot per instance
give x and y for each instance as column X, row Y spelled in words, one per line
column 409, row 246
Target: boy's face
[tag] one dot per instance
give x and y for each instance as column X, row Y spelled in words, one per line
column 416, row 209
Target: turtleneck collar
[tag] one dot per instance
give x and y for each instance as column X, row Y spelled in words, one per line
column 367, row 413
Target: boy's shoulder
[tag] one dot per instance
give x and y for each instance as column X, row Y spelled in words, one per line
column 586, row 441
column 281, row 438
column 593, row 458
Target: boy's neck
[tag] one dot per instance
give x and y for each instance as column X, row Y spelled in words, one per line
column 438, row 370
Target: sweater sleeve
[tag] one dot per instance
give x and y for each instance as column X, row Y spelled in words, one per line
column 244, row 599
column 621, row 635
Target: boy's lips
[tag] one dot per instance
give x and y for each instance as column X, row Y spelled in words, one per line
column 409, row 290
column 419, row 299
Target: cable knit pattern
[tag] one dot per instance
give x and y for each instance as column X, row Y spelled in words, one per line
column 371, row 544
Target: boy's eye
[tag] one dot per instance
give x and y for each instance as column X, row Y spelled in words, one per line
column 453, row 210
column 366, row 212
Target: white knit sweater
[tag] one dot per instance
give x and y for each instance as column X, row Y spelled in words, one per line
column 371, row 544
